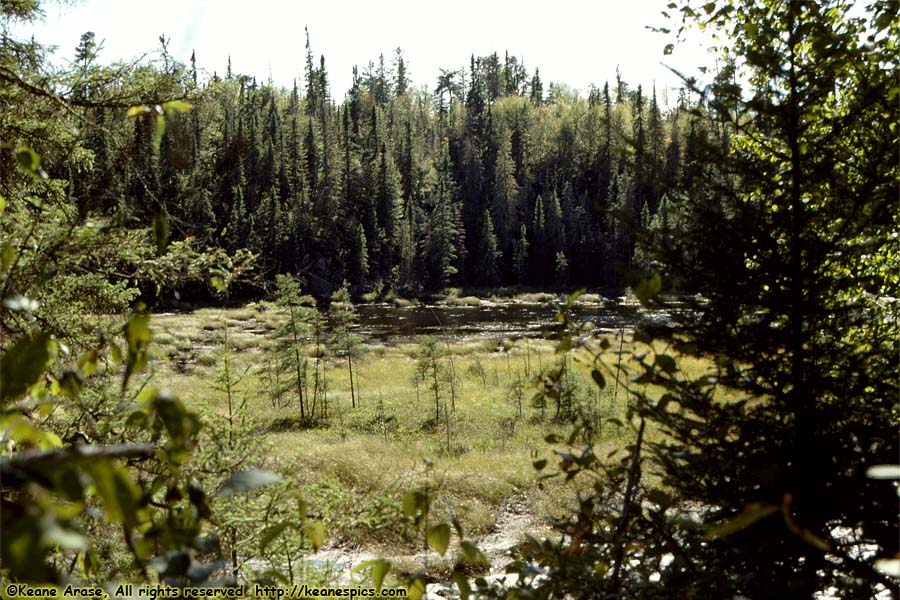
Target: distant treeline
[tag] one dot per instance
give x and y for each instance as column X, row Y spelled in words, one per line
column 485, row 177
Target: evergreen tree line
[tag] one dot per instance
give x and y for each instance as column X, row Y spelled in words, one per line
column 481, row 180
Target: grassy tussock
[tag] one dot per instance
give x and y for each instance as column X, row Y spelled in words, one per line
column 463, row 301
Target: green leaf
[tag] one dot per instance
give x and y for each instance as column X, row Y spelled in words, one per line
column 71, row 383
column 176, row 106
column 380, row 568
column 137, row 110
column 574, row 296
column 21, row 431
column 415, row 587
column 119, row 493
column 884, row 472
column 218, row 284
column 115, row 355
column 315, row 533
column 597, row 376
column 28, row 159
column 666, row 363
column 455, row 522
column 137, row 331
column 136, row 420
column 55, row 535
column 439, row 538
column 647, row 289
column 138, row 336
column 88, row 362
column 576, row 431
column 7, row 255
column 472, row 553
column 244, row 481
column 462, row 582
column 159, row 132
column 302, row 509
column 269, row 534
column 22, row 366
column 668, row 49
column 146, row 396
column 751, row 514
column 161, row 231
column 414, row 504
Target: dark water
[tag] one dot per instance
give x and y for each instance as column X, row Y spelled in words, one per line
column 383, row 322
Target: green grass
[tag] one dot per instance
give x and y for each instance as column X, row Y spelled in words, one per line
column 372, row 454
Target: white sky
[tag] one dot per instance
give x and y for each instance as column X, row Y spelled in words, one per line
column 576, row 42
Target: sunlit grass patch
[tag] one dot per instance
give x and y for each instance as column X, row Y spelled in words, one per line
column 463, row 301
column 404, row 302
column 536, row 298
column 591, row 299
column 207, row 359
column 483, row 346
column 164, row 339
column 242, row 314
column 240, row 340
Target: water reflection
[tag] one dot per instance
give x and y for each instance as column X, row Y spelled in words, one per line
column 387, row 323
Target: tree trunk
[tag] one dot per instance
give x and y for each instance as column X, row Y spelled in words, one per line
column 350, row 367
column 297, row 364
column 437, row 401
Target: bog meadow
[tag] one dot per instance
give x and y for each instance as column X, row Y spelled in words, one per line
column 474, row 334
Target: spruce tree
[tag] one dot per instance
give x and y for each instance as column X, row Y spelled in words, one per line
column 312, row 83
column 538, row 243
column 344, row 342
column 505, row 195
column 793, row 267
column 537, row 88
column 359, row 261
column 554, row 227
column 444, row 234
column 401, row 75
column 561, row 269
column 488, row 253
column 520, row 256
column 291, row 361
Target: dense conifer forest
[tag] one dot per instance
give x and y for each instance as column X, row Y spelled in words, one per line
column 479, row 177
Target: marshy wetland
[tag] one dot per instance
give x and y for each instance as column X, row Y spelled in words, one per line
column 469, row 431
